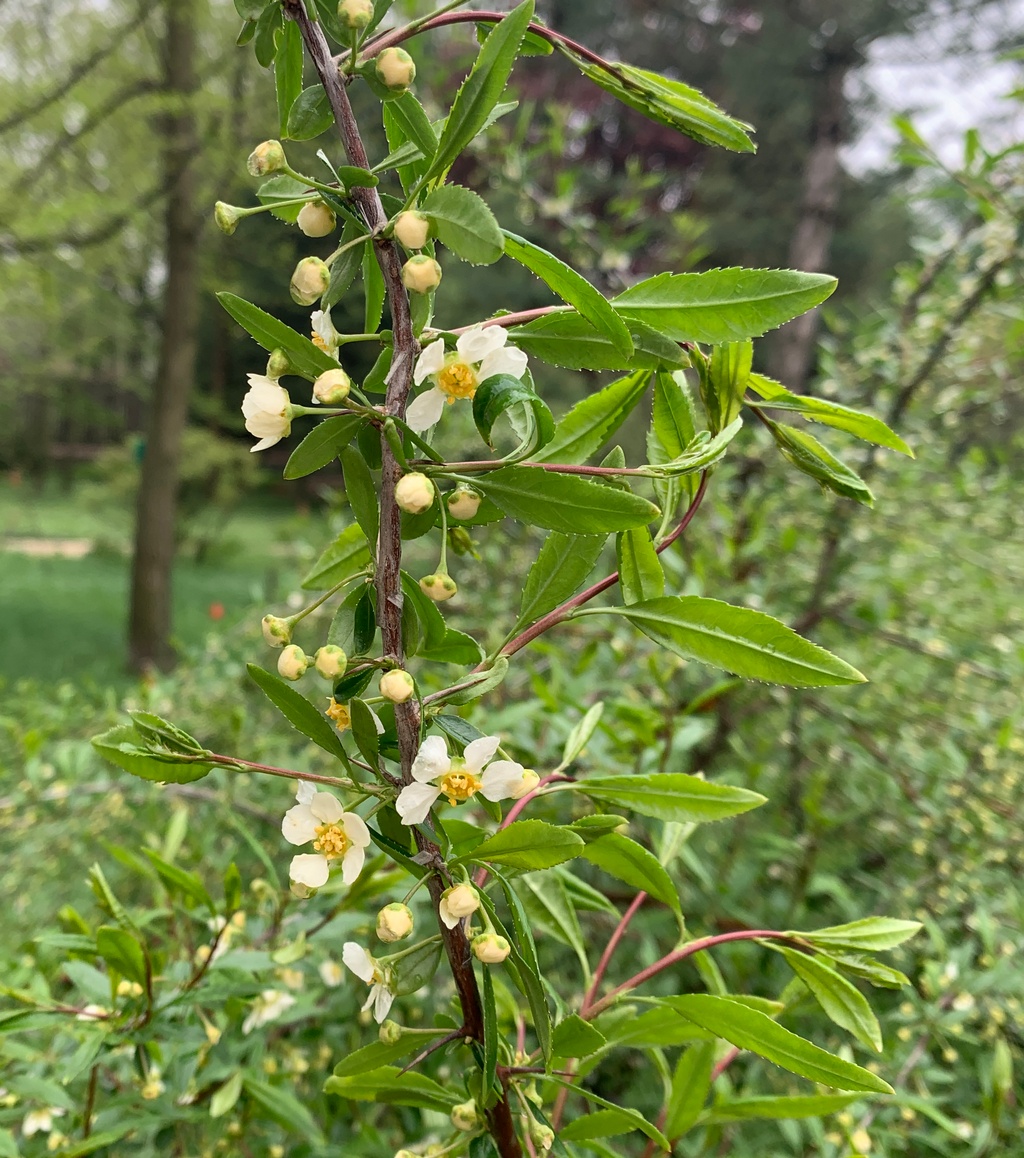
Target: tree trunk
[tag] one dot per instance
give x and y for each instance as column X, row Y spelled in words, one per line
column 812, row 238
column 150, row 616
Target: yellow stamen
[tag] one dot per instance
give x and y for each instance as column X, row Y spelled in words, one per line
column 319, row 342
column 457, row 380
column 340, row 714
column 459, row 786
column 331, row 840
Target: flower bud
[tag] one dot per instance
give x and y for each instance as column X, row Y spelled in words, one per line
column 227, row 217
column 395, row 69
column 394, row 923
column 464, row 502
column 397, row 686
column 292, row 662
column 541, row 1136
column 355, row 13
column 277, row 632
column 277, row 364
column 460, row 541
column 438, row 587
column 421, row 274
column 330, row 662
column 414, row 493
column 490, row 948
column 458, row 902
column 465, row 1116
column 266, row 158
column 300, row 891
column 412, row 229
column 332, row 387
column 528, row 783
column 316, row 219
column 390, row 1032
column 309, row 281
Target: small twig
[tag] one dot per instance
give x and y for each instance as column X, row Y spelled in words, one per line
column 609, row 950
column 90, row 1100
column 432, row 1048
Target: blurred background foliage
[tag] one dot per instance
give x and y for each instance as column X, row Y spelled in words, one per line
column 900, row 797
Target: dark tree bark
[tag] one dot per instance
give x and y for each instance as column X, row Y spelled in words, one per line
column 150, row 616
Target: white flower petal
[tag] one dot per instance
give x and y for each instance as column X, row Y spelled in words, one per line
column 310, row 869
column 424, row 411
column 352, row 864
column 431, row 361
column 502, row 779
column 355, row 829
column 448, row 918
column 478, row 752
column 327, row 808
column 299, row 824
column 264, row 443
column 432, row 760
column 415, row 802
column 305, row 792
column 508, row 361
column 382, row 1002
column 475, row 344
column 358, row 960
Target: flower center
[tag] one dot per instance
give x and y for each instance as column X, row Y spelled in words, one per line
column 340, row 714
column 459, row 786
column 457, row 380
column 319, row 342
column 331, row 841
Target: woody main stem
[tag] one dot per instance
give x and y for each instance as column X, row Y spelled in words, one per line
column 389, row 544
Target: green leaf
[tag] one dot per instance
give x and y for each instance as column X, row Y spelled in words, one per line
column 497, row 394
column 842, row 1001
column 599, row 1124
column 364, row 732
column 379, row 1053
column 871, row 971
column 653, row 1030
column 361, row 491
column 389, row 1084
column 524, row 955
column 855, row 422
column 594, row 419
column 781, row 1108
column 267, row 26
column 672, row 796
column 322, row 445
column 480, row 683
column 296, row 709
column 94, row 1142
column 288, row 71
column 560, row 569
column 639, row 1121
column 723, row 305
column 868, row 935
column 160, row 733
column 574, row 1037
column 411, row 119
column 807, row 454
column 628, row 861
column 691, row 1084
column 346, row 265
column 489, row 1068
column 675, row 418
column 464, row 223
column 417, row 968
column 277, row 191
column 225, row 1098
column 250, row 9
column 373, row 286
column 304, row 359
column 310, row 115
column 347, row 555
column 179, row 880
column 670, row 102
column 564, row 502
column 748, row 1029
column 528, row 845
column 569, row 340
column 122, row 952
column 640, row 572
column 284, row 1108
column 120, row 745
column 573, row 289
column 723, row 381
column 455, row 647
column 748, row 643
column 577, row 739
column 482, row 88
column 553, row 910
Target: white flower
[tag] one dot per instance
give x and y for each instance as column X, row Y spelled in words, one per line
column 325, row 336
column 40, row 1121
column 331, row 973
column 437, row 774
column 335, row 833
column 480, row 353
column 376, row 976
column 269, row 1006
column 268, row 410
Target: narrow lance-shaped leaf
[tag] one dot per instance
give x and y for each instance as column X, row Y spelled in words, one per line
column 868, row 935
column 322, row 445
column 528, row 844
column 288, row 71
column 297, row 710
column 842, row 1001
column 569, row 340
column 673, row 796
column 641, row 575
column 628, row 861
column 304, row 358
column 808, row 455
column 593, row 420
column 561, row 566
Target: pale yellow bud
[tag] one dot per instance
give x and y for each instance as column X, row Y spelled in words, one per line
column 421, row 274
column 332, row 387
column 277, row 632
column 355, row 13
column 394, row 923
column 438, row 587
column 330, row 662
column 464, row 502
column 309, row 281
column 465, row 1116
column 266, row 158
column 292, row 662
column 457, row 903
column 317, row 219
column 860, row 1140
column 397, row 686
column 227, row 217
column 490, row 948
column 412, row 229
column 395, row 69
column 414, row 493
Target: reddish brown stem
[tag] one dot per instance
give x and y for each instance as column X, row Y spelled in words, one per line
column 609, row 950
